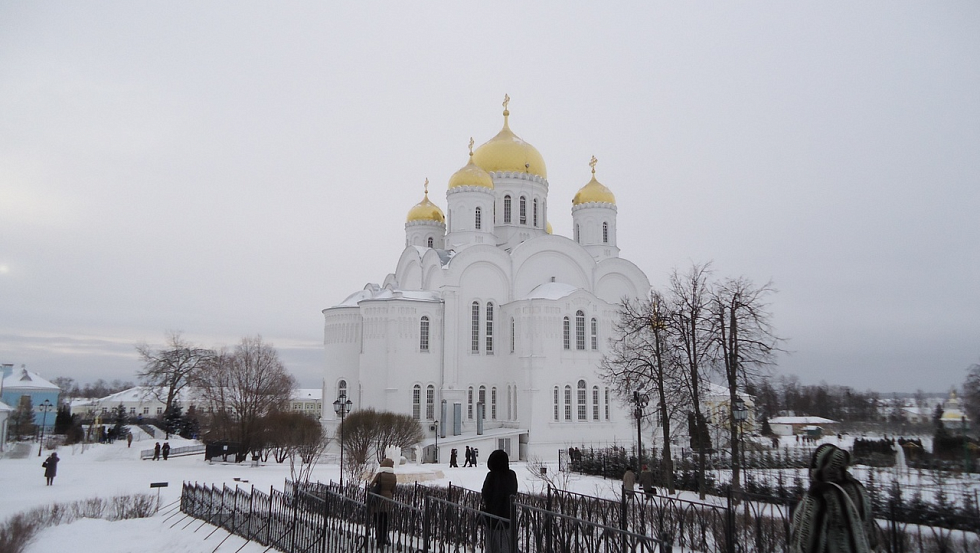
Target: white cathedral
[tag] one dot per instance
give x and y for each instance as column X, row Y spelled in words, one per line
column 491, row 330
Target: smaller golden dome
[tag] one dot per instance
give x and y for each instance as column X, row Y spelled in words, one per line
column 548, row 229
column 425, row 210
column 471, row 174
column 594, row 191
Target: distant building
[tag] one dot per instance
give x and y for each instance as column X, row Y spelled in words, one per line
column 788, row 426
column 21, row 383
column 140, row 402
column 954, row 418
column 5, row 411
column 308, row 401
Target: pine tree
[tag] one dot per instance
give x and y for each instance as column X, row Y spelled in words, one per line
column 119, row 421
column 64, row 419
column 173, row 419
column 21, row 421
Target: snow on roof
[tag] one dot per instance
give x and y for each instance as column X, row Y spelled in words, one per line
column 24, row 379
column 308, row 393
column 5, row 407
column 800, row 420
column 550, row 291
column 375, row 293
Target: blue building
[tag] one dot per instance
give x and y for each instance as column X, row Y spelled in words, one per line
column 21, row 382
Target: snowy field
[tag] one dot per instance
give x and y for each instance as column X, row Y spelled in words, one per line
column 113, row 470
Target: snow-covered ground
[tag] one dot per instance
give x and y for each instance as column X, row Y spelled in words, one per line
column 113, row 470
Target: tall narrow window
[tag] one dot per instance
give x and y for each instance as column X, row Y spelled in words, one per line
column 417, row 402
column 595, row 403
column 605, row 232
column 605, row 402
column 475, row 328
column 515, row 402
column 482, row 401
column 429, row 242
column 577, row 235
column 534, row 212
column 509, row 412
column 523, row 210
column 342, row 388
column 568, row 402
column 579, row 330
column 556, row 403
column 493, row 403
column 507, row 209
column 430, row 402
column 478, row 219
column 595, row 334
column 513, row 328
column 580, row 401
column 489, row 328
column 424, row 334
column 469, row 403
column 565, row 331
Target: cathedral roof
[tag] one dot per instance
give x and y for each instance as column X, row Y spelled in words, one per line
column 471, row 174
column 550, row 291
column 507, row 152
column 425, row 210
column 593, row 191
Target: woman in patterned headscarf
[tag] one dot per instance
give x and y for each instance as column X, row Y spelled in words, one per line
column 835, row 514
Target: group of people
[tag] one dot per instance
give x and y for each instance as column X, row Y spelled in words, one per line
column 158, row 451
column 469, row 457
column 645, row 480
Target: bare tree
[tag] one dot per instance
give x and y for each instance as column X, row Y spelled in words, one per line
column 168, row 371
column 692, row 325
column 971, row 392
column 745, row 341
column 643, row 356
column 395, row 430
column 367, row 431
column 246, row 384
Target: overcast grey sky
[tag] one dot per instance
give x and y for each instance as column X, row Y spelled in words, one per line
column 231, row 169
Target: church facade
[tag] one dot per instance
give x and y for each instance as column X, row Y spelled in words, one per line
column 491, row 329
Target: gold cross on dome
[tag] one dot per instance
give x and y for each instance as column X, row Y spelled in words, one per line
column 592, row 164
column 426, row 186
column 471, row 145
column 506, row 100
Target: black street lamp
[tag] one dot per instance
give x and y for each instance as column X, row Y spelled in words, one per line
column 342, row 406
column 640, row 401
column 44, row 407
column 436, row 456
column 739, row 413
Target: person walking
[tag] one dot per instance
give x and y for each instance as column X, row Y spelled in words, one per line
column 467, row 457
column 498, row 487
column 156, row 452
column 835, row 513
column 51, row 468
column 646, row 482
column 452, row 459
column 166, row 450
column 384, row 484
column 129, row 439
column 629, row 482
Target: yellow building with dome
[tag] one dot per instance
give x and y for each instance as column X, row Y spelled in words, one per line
column 491, row 329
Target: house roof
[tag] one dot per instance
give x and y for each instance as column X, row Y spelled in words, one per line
column 24, row 380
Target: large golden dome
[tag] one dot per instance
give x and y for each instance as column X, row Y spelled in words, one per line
column 425, row 210
column 594, row 191
column 471, row 174
column 508, row 152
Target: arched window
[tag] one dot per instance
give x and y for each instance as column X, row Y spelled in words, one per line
column 534, row 211
column 507, row 209
column 509, row 412
column 513, row 333
column 595, row 334
column 429, row 242
column 430, row 402
column 424, row 334
column 482, row 401
column 556, row 403
column 493, row 403
column 565, row 331
column 478, row 218
column 605, row 401
column 475, row 328
column 515, row 402
column 568, row 402
column 577, row 239
column 579, row 330
column 342, row 388
column 580, row 401
column 605, row 232
column 595, row 403
column 417, row 402
column 523, row 210
column 489, row 328
column 469, row 403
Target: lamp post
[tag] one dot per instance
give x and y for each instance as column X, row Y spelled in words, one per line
column 640, row 401
column 739, row 413
column 436, row 455
column 341, row 406
column 44, row 407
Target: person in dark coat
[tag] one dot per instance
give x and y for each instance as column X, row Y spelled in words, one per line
column 467, row 457
column 384, row 484
column 452, row 459
column 499, row 485
column 156, row 452
column 51, row 468
column 166, row 450
column 834, row 515
column 645, row 480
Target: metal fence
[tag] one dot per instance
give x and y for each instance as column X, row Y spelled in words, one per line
column 327, row 518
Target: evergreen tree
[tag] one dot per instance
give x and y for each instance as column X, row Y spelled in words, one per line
column 119, row 421
column 64, row 419
column 21, row 423
column 191, row 427
column 173, row 419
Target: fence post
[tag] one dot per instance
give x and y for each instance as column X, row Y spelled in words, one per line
column 622, row 518
column 730, row 524
column 426, row 523
column 513, row 523
column 549, row 532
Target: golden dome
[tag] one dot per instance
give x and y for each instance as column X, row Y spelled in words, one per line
column 594, row 191
column 548, row 228
column 471, row 174
column 508, row 152
column 425, row 210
